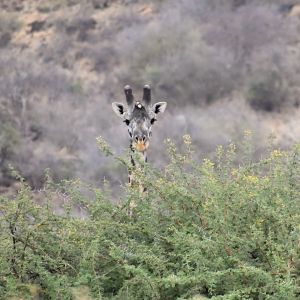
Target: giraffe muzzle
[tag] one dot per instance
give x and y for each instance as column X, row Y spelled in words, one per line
column 141, row 145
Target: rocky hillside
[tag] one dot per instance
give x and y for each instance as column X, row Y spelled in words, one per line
column 223, row 66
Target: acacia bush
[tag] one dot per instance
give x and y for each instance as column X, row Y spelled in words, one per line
column 202, row 230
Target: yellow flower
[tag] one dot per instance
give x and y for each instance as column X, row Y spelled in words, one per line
column 208, row 163
column 266, row 179
column 251, row 179
column 234, row 172
column 187, row 139
column 276, row 154
column 247, row 133
column 159, row 182
column 259, row 221
column 251, row 194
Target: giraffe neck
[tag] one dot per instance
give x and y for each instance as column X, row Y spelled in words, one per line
column 143, row 156
column 134, row 163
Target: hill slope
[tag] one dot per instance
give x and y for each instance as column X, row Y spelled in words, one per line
column 223, row 67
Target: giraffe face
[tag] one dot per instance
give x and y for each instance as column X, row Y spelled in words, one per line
column 139, row 117
column 139, row 127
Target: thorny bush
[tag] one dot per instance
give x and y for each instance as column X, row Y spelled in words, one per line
column 213, row 229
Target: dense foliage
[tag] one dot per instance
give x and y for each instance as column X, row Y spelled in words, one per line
column 213, row 229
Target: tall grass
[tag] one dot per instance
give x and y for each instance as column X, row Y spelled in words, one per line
column 212, row 229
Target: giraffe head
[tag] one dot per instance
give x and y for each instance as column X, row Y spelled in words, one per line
column 139, row 116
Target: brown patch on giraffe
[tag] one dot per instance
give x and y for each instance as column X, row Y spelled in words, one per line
column 140, row 146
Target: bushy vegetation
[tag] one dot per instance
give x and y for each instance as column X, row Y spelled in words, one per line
column 213, row 229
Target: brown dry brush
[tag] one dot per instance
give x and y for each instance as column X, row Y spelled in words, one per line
column 50, row 114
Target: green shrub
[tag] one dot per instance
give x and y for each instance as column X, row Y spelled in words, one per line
column 213, row 229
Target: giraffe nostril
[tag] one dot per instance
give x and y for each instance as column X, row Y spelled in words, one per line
column 144, row 138
column 136, row 139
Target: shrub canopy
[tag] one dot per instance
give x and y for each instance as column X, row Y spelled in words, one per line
column 211, row 229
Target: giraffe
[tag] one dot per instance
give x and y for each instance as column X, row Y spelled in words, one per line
column 139, row 116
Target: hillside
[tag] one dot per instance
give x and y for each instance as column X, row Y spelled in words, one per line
column 223, row 67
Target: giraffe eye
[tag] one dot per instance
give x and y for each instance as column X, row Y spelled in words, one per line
column 127, row 122
column 152, row 121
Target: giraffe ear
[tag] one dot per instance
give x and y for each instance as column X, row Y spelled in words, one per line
column 159, row 107
column 119, row 109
